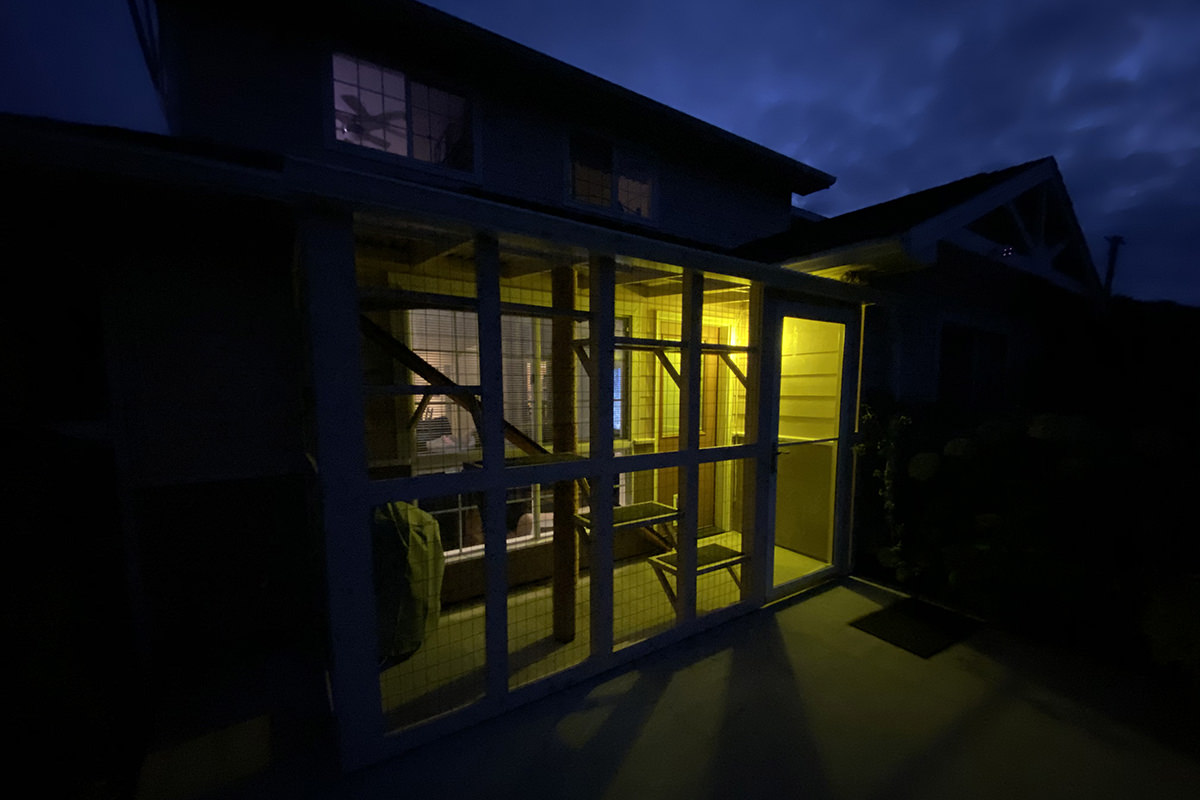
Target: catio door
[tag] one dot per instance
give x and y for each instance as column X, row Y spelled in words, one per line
column 808, row 444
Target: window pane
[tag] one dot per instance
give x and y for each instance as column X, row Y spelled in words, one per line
column 345, row 112
column 591, row 171
column 396, row 130
column 372, row 104
column 420, row 95
column 634, row 196
column 345, row 68
column 360, row 114
column 393, row 84
column 369, row 77
column 441, row 128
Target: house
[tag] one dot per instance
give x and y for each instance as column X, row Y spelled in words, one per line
column 417, row 374
column 992, row 297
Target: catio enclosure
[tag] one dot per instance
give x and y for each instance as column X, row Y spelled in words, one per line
column 570, row 453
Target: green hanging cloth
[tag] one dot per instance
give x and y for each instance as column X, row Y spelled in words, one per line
column 409, row 565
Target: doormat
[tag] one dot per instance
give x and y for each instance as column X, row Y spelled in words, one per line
column 918, row 627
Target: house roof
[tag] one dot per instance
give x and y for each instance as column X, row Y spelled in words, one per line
column 889, row 219
column 1020, row 217
column 43, row 149
column 486, row 59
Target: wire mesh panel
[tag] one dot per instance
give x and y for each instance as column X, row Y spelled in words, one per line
column 644, row 526
column 527, row 269
column 548, row 608
column 416, row 258
column 546, row 388
column 420, row 349
column 421, row 370
column 725, row 334
column 649, row 295
column 429, row 615
column 722, row 555
column 544, row 294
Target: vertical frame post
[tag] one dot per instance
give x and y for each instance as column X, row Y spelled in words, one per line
column 495, row 535
column 602, row 299
column 756, row 538
column 326, row 252
column 566, row 535
column 692, row 332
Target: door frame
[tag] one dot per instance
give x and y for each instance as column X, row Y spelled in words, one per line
column 776, row 307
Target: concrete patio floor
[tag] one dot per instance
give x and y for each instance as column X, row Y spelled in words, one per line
column 792, row 702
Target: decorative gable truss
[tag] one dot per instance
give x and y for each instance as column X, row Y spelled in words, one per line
column 1025, row 223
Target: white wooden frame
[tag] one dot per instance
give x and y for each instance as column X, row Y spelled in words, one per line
column 779, row 306
column 327, row 256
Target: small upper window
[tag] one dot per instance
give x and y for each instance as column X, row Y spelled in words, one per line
column 384, row 109
column 600, row 177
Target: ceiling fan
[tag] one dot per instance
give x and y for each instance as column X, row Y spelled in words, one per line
column 359, row 123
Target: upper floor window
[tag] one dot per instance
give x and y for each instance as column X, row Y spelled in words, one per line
column 609, row 179
column 384, row 109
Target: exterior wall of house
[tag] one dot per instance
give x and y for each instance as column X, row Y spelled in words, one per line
column 170, row 561
column 206, row 361
column 523, row 123
column 1025, row 337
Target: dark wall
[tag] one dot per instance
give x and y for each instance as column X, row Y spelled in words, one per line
column 206, row 341
column 168, row 579
column 1036, row 341
column 264, row 84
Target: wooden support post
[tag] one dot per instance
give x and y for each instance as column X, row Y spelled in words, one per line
column 566, row 537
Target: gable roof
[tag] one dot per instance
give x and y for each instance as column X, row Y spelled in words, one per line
column 883, row 220
column 987, row 213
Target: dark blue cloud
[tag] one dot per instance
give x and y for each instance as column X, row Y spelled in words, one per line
column 895, row 97
column 75, row 61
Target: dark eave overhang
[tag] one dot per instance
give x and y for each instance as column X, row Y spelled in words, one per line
column 151, row 160
column 917, row 246
column 490, row 60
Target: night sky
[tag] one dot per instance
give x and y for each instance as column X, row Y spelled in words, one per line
column 894, row 96
column 889, row 96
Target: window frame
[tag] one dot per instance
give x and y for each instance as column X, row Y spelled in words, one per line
column 408, row 159
column 624, row 163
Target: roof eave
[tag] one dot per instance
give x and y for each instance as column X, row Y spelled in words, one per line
column 887, row 254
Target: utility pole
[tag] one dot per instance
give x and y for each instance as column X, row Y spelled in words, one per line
column 1114, row 244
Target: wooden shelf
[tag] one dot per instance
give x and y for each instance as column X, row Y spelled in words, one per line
column 638, row 515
